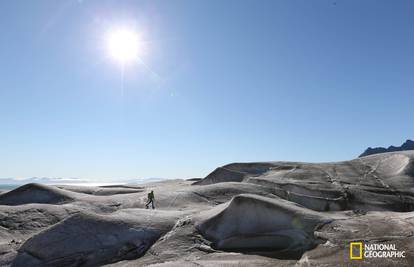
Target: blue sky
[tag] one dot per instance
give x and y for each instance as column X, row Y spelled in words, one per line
column 223, row 81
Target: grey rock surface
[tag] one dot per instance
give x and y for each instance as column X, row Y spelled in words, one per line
column 35, row 193
column 252, row 223
column 242, row 214
column 377, row 182
column 90, row 239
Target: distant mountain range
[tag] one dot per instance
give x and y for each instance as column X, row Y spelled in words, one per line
column 41, row 180
column 408, row 145
column 47, row 180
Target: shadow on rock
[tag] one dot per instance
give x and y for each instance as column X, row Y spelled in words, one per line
column 258, row 225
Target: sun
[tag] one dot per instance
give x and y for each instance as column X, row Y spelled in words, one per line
column 123, row 45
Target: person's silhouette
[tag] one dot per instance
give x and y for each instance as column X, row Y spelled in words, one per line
column 150, row 200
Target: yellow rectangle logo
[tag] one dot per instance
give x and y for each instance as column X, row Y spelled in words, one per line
column 358, row 247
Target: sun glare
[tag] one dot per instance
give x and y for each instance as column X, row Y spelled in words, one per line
column 123, row 45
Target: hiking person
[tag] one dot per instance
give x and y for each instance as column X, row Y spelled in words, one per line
column 150, row 200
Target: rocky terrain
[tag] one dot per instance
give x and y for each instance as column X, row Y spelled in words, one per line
column 242, row 214
column 408, row 145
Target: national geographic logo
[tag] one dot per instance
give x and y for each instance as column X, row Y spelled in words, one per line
column 359, row 251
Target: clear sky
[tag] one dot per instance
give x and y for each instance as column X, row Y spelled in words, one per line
column 219, row 82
